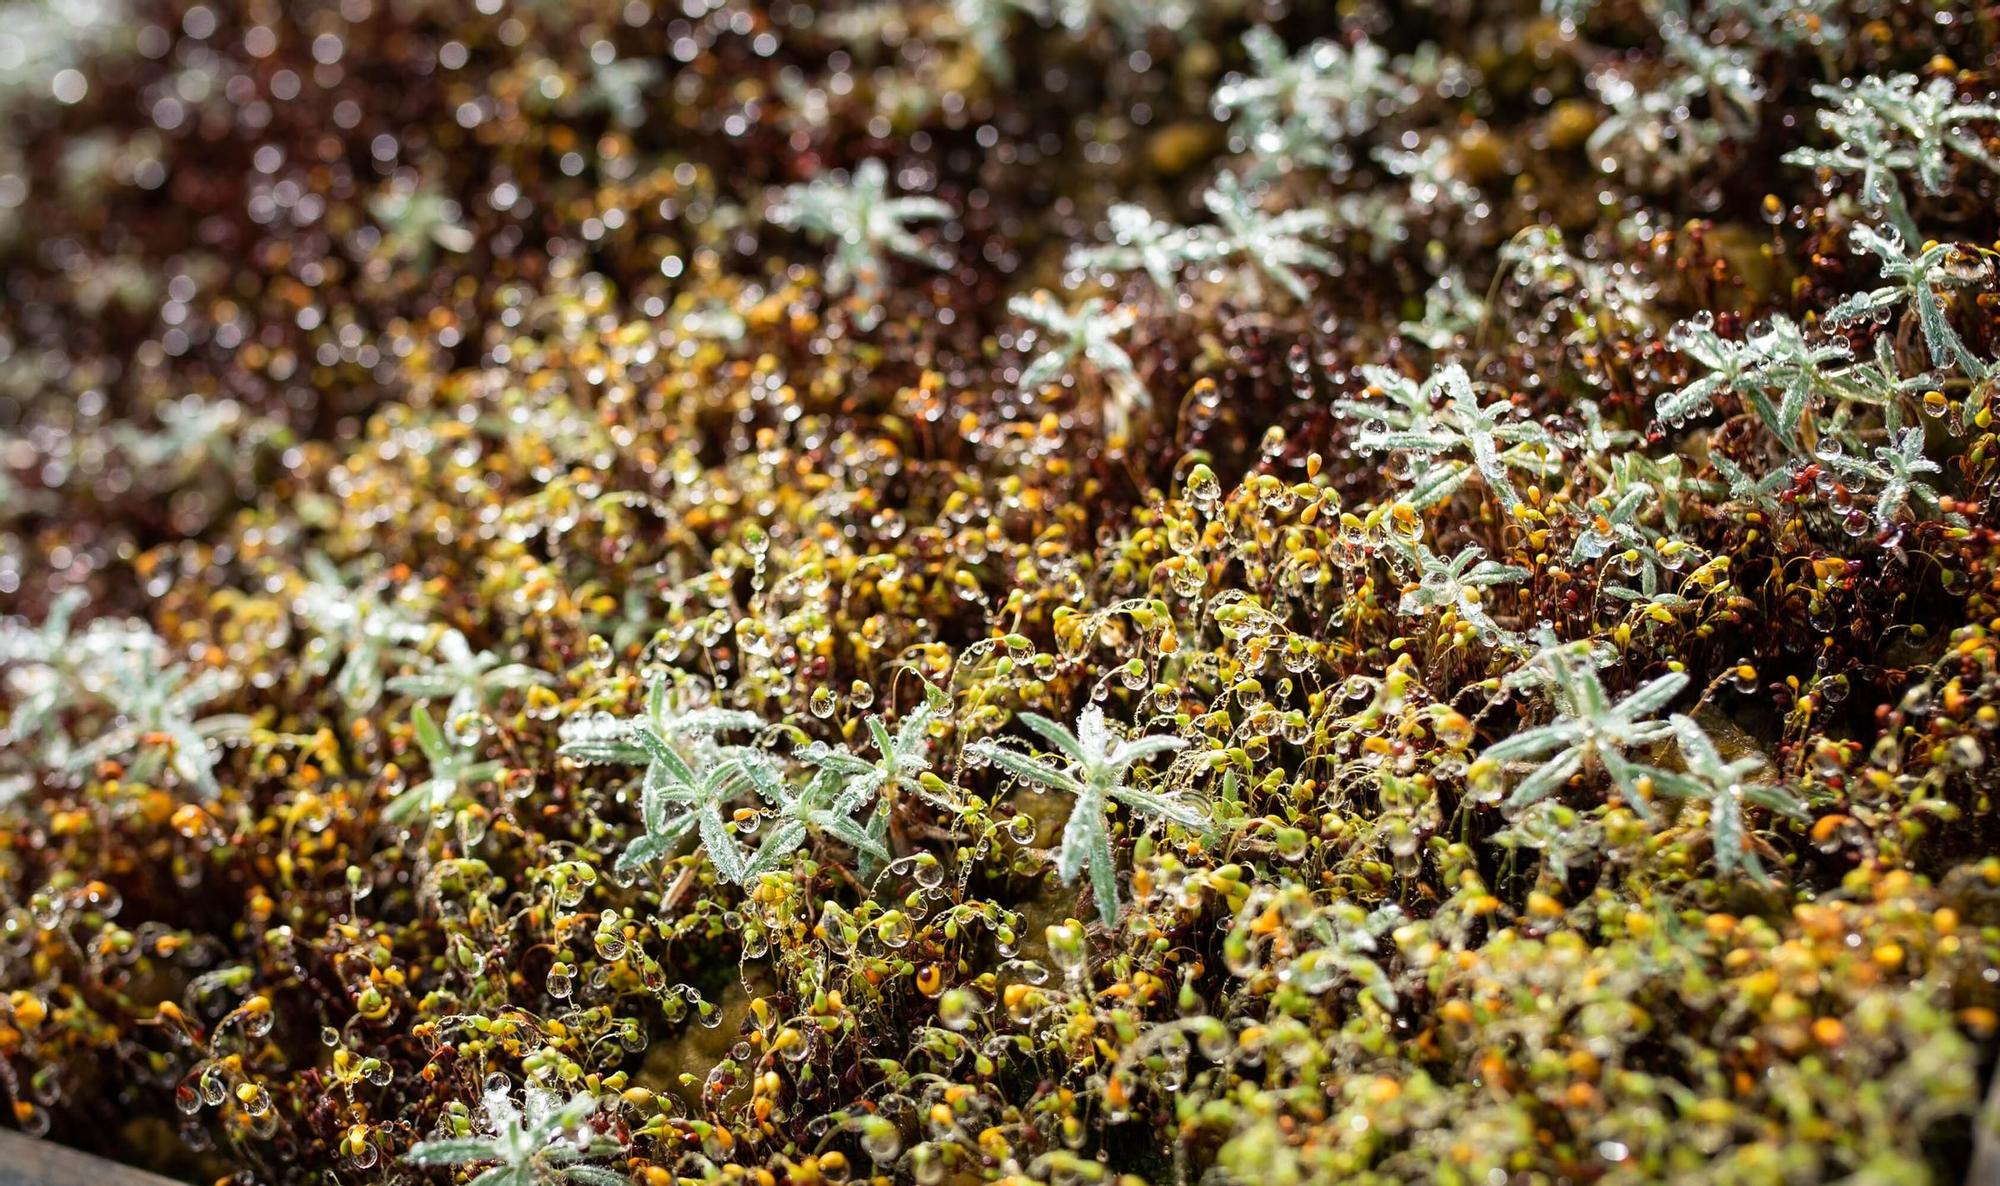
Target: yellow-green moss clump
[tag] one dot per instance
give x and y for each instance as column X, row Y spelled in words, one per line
column 776, row 592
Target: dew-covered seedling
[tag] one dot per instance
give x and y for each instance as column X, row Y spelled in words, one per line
column 1093, row 769
column 1034, row 592
column 1591, row 733
column 863, row 223
column 1886, row 127
column 544, row 1140
column 1298, row 109
column 1066, row 338
column 1274, row 246
column 1920, row 280
column 1491, row 437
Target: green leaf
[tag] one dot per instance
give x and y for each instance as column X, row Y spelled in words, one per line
column 1057, row 735
column 429, row 739
column 1026, row 768
column 1160, row 807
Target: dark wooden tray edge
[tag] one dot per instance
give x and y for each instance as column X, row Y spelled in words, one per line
column 25, row 1161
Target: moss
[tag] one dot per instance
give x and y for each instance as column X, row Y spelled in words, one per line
column 1553, row 623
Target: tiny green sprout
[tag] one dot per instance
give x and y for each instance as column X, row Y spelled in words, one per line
column 1756, row 491
column 1931, row 116
column 1544, row 657
column 1379, row 217
column 1435, row 183
column 621, row 87
column 1295, row 110
column 1775, row 358
column 452, row 770
column 1725, row 786
column 540, row 1144
column 1895, row 472
column 416, row 221
column 1867, row 152
column 1143, row 242
column 1538, row 259
column 1723, row 75
column 1452, row 312
column 155, row 702
column 22, row 642
column 1275, row 245
column 827, row 805
column 354, row 626
column 1920, row 280
column 1455, row 584
column 192, row 434
column 1879, row 381
column 1590, row 732
column 1897, row 124
column 863, row 222
column 1565, row 839
column 674, row 800
column 1094, row 770
column 1132, row 20
column 899, row 768
column 468, row 678
column 1613, row 524
column 1651, row 134
column 42, row 682
column 1601, row 440
column 1493, row 438
column 713, row 321
column 670, row 713
column 1084, row 333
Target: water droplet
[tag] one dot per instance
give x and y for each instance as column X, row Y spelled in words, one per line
column 1203, row 489
column 879, row 1138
